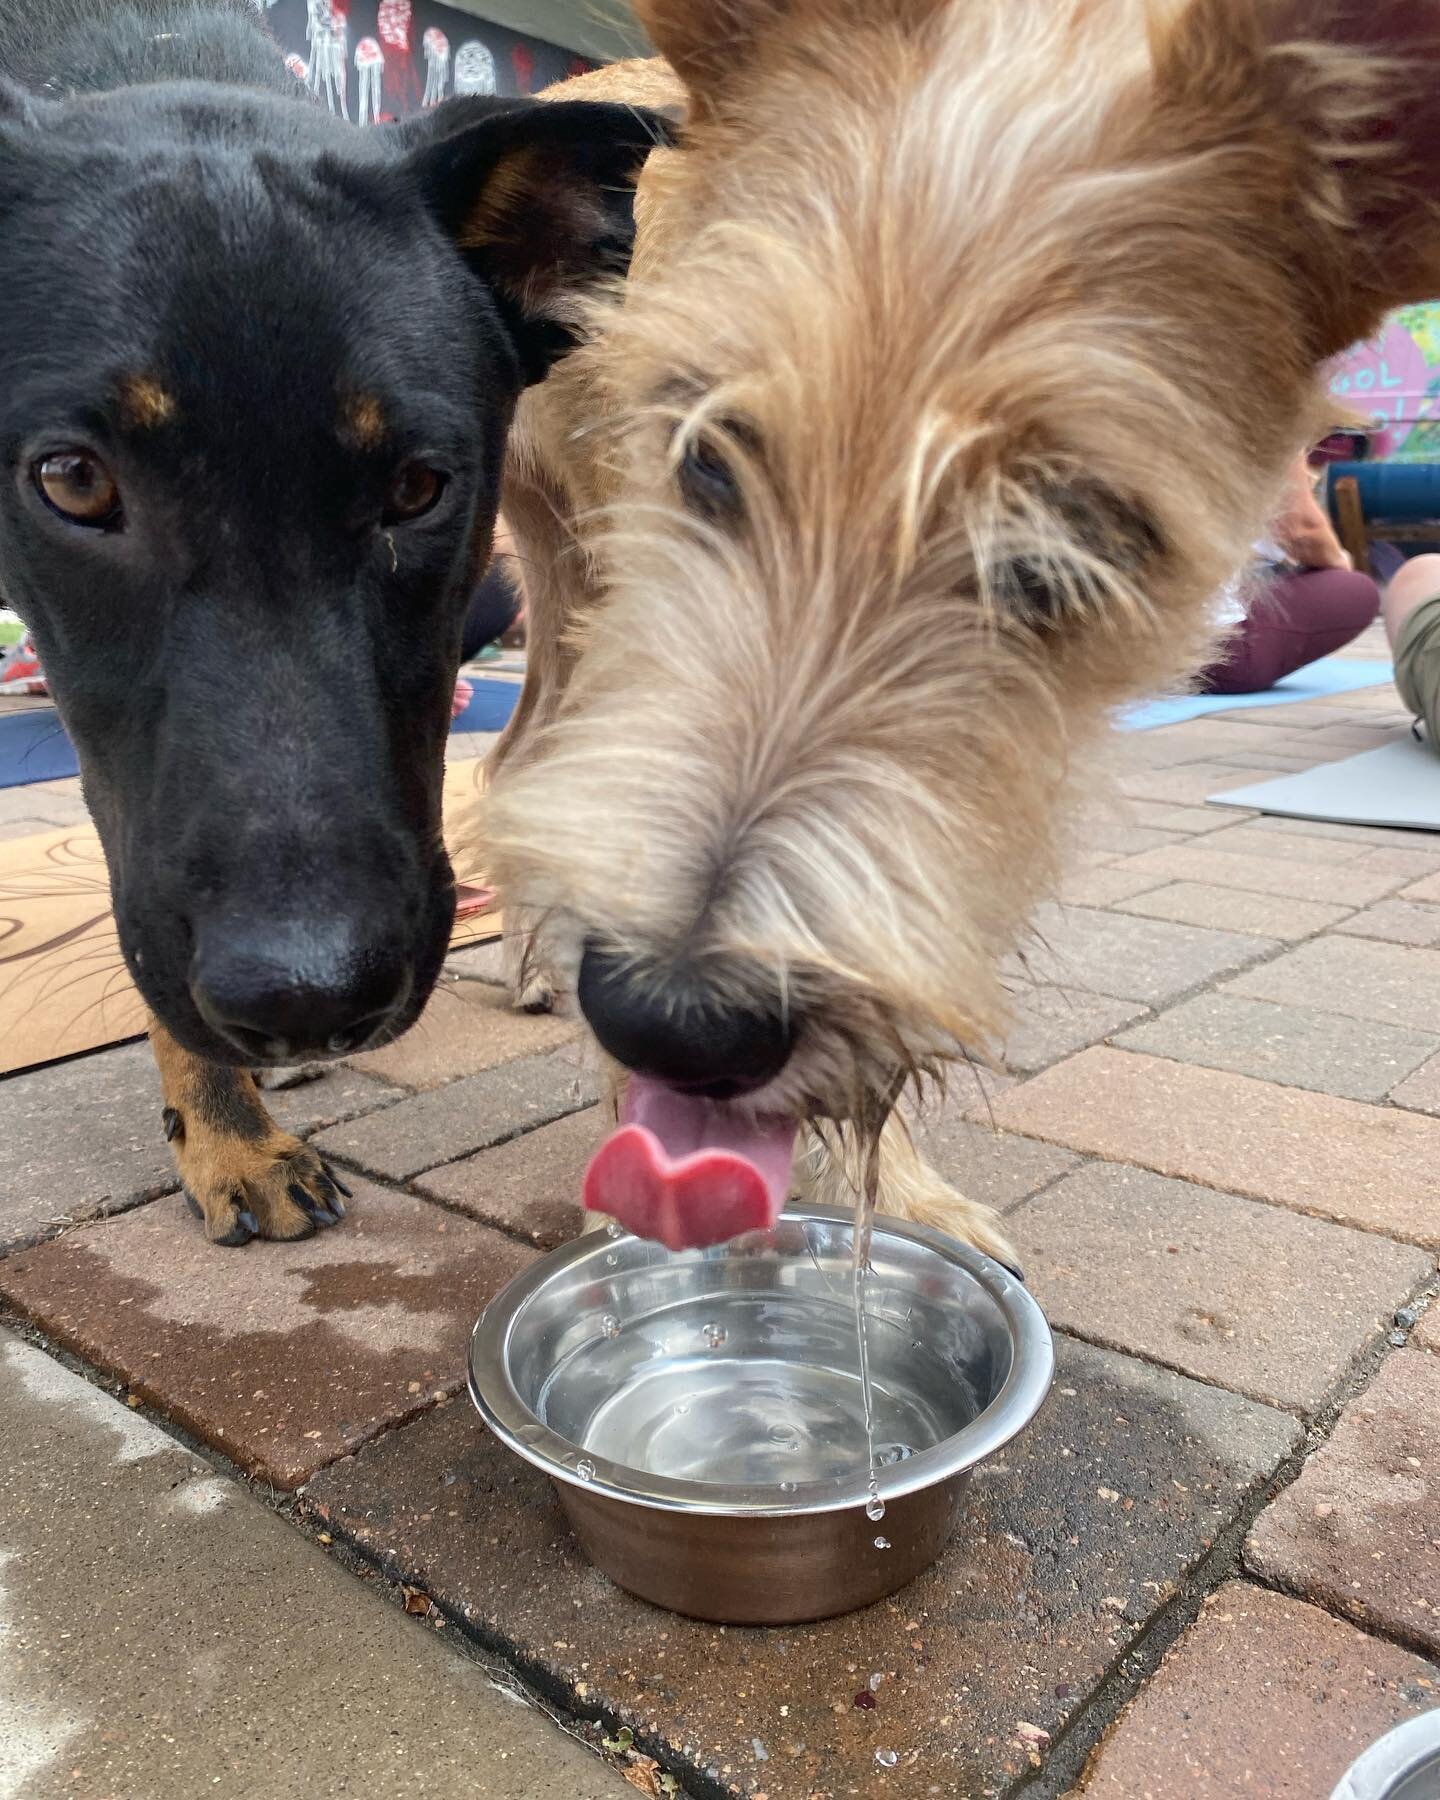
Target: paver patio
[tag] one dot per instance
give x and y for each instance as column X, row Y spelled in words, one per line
column 1211, row 1568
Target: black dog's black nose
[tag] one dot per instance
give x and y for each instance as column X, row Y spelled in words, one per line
column 678, row 1023
column 280, row 992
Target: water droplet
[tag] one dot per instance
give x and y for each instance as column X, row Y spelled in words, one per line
column 783, row 1434
column 787, row 1487
column 875, row 1680
column 874, row 1509
column 585, row 1469
column 882, row 1543
column 610, row 1326
column 682, row 1407
column 612, row 1230
column 611, row 1260
column 886, row 1455
column 887, row 1759
column 715, row 1336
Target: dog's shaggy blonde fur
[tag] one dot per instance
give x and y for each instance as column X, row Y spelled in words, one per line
column 965, row 344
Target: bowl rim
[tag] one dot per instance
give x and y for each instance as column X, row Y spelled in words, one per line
column 1032, row 1370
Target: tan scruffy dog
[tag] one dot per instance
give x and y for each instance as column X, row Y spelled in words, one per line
column 965, row 345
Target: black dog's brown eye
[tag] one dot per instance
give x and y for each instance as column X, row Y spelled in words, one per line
column 415, row 491
column 708, row 483
column 79, row 487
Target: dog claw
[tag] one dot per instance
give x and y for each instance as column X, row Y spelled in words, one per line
column 251, row 1223
column 1015, row 1270
column 314, row 1210
column 173, row 1123
column 194, row 1205
column 330, row 1175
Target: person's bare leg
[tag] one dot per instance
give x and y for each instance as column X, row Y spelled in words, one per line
column 1417, row 582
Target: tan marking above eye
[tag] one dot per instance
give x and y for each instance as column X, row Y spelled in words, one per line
column 145, row 402
column 364, row 421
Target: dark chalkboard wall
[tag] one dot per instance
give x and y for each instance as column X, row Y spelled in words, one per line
column 425, row 52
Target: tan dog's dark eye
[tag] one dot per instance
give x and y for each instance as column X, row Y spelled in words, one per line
column 78, row 486
column 415, row 491
column 707, row 482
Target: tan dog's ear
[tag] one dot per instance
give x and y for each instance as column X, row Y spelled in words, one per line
column 1334, row 108
column 707, row 42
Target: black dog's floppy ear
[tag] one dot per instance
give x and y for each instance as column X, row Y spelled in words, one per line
column 539, row 198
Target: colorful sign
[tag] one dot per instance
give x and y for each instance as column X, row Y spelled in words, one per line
column 1395, row 379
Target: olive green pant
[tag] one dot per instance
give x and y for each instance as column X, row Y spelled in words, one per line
column 1417, row 666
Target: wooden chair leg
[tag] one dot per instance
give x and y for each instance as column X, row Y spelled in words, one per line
column 1350, row 521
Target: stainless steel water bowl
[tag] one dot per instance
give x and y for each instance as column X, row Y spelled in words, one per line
column 700, row 1413
column 1403, row 1765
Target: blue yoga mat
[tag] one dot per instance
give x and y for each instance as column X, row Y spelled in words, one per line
column 490, row 706
column 34, row 745
column 1331, row 675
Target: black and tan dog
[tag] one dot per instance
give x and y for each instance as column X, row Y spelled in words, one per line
column 256, row 372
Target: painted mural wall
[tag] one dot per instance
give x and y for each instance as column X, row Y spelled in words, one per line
column 1395, row 378
column 381, row 59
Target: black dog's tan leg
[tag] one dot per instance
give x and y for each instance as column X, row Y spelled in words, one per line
column 244, row 1176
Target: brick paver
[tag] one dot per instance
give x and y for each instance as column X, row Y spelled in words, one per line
column 283, row 1355
column 997, row 1168
column 1251, row 1297
column 1359, row 1531
column 1394, row 983
column 1250, row 838
column 529, row 1186
column 1104, row 885
column 1067, row 1543
column 467, row 1027
column 1226, row 909
column 1362, row 1165
column 1145, row 960
column 1427, row 1332
column 1421, row 1091
column 451, row 1122
column 1263, row 1698
column 1395, row 922
column 1358, row 1059
column 1052, row 1022
column 166, row 1635
column 1427, row 891
column 1332, row 884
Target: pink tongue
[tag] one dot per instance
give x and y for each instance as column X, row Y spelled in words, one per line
column 687, row 1172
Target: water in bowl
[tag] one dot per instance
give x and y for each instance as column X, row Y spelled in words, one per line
column 764, row 1389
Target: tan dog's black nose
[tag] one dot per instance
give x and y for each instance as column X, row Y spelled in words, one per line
column 696, row 1026
column 281, row 992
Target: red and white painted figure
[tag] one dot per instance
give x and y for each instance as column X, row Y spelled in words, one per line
column 327, row 29
column 474, row 69
column 394, row 24
column 522, row 61
column 436, row 46
column 369, row 78
column 298, row 67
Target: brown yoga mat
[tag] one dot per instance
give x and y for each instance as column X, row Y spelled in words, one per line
column 63, row 986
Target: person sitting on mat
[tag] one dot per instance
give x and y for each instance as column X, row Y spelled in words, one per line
column 1300, row 599
column 1412, row 623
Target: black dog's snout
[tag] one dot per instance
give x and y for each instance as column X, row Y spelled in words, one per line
column 280, row 993
column 681, row 1024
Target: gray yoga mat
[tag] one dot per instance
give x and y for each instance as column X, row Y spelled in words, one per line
column 1398, row 784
